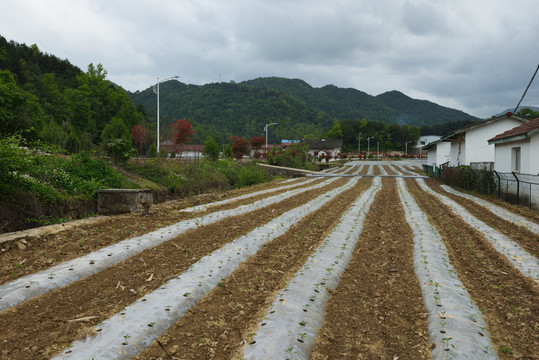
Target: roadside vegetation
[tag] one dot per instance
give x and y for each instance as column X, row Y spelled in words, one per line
column 40, row 185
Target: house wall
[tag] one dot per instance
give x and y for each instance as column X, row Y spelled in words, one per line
column 457, row 151
column 190, row 155
column 534, row 155
column 529, row 166
column 502, row 157
column 426, row 139
column 431, row 156
column 504, row 161
column 442, row 153
column 477, row 147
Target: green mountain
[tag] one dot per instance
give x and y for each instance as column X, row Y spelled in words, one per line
column 352, row 104
column 336, row 102
column 421, row 112
column 224, row 109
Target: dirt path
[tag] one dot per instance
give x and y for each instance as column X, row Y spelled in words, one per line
column 507, row 299
column 378, row 299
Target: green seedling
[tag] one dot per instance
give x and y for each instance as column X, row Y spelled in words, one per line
column 505, row 350
column 186, row 294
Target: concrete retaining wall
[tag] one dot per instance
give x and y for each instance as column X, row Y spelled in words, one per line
column 120, row 201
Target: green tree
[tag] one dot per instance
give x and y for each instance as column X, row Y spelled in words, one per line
column 528, row 113
column 229, row 154
column 335, row 132
column 72, row 143
column 53, row 133
column 211, row 149
column 152, row 151
column 120, row 150
column 116, row 129
column 19, row 109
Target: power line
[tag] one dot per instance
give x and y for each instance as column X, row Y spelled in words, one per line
column 525, row 91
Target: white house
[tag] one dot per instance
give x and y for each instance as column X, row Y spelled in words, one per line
column 438, row 152
column 470, row 146
column 185, row 151
column 324, row 147
column 426, row 139
column 517, row 149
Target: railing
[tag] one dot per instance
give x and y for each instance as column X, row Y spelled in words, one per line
column 520, row 189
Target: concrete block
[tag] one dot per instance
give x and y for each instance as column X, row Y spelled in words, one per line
column 120, row 201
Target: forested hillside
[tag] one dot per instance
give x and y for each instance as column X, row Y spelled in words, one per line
column 49, row 99
column 352, row 104
column 224, row 109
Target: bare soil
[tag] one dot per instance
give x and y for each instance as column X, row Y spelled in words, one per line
column 378, row 300
column 376, row 312
column 507, row 299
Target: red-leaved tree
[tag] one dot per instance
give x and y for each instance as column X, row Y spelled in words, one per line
column 239, row 146
column 257, row 142
column 181, row 130
column 138, row 136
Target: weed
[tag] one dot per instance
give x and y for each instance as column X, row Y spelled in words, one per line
column 505, row 350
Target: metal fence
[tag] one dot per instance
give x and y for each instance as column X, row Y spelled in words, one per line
column 432, row 171
column 520, row 189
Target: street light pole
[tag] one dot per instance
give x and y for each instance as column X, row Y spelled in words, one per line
column 407, row 146
column 369, row 145
column 359, row 145
column 266, row 129
column 156, row 90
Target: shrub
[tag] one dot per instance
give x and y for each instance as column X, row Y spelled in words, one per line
column 120, row 150
column 211, row 149
column 296, row 156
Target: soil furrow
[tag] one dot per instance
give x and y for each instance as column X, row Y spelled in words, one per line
column 378, row 299
column 227, row 317
column 18, row 259
column 389, row 170
column 507, row 299
column 525, row 238
column 523, row 211
column 41, row 327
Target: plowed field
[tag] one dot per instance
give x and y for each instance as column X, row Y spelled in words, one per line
column 367, row 262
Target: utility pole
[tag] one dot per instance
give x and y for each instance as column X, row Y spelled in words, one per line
column 359, row 145
column 156, row 91
column 369, row 145
column 407, row 146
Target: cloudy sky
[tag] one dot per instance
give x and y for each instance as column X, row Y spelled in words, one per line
column 473, row 55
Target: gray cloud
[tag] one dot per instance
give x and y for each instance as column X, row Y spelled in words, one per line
column 475, row 56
